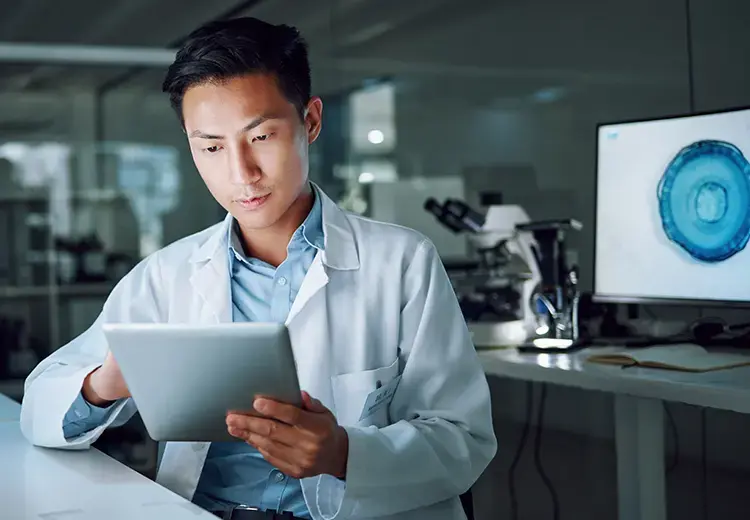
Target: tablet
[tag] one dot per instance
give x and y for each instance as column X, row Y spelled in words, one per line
column 184, row 379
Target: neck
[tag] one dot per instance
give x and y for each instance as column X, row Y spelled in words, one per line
column 270, row 244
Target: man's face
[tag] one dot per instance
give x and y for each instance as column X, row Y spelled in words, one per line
column 250, row 146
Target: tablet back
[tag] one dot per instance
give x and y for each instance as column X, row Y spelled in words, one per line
column 184, row 379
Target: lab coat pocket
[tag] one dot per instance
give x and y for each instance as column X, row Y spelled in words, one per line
column 352, row 390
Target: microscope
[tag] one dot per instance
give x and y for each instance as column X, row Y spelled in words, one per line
column 518, row 289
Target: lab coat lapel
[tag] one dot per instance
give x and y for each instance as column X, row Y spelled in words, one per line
column 315, row 279
column 211, row 282
column 210, row 278
column 339, row 253
column 340, row 247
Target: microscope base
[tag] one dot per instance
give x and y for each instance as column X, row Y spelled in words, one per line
column 495, row 334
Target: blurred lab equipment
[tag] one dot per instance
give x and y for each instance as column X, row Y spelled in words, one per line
column 17, row 358
column 24, row 231
column 518, row 287
column 81, row 260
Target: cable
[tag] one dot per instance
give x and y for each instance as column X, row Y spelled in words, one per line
column 519, row 451
column 538, row 455
column 675, row 439
column 704, row 464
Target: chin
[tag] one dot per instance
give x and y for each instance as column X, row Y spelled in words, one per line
column 258, row 221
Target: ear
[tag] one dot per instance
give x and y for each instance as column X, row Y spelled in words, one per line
column 313, row 118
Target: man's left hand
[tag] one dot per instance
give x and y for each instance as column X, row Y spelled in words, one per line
column 300, row 442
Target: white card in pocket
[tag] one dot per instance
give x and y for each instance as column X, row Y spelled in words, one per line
column 379, row 398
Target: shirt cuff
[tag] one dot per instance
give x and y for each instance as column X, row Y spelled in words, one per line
column 83, row 416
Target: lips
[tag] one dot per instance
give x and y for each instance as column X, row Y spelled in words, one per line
column 253, row 202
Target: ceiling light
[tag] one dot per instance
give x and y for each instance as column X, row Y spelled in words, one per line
column 375, row 136
column 366, row 177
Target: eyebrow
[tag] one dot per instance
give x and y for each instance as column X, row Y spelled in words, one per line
column 253, row 124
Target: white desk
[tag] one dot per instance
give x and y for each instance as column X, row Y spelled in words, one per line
column 43, row 483
column 9, row 409
column 639, row 415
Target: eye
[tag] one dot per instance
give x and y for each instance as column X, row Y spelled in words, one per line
column 212, row 149
column 261, row 138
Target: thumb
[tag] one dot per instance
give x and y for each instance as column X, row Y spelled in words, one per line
column 312, row 405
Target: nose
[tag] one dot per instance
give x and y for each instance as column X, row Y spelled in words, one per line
column 243, row 167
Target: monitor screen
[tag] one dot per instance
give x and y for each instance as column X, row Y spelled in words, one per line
column 673, row 210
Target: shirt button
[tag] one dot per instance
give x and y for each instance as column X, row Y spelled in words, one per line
column 279, row 477
column 282, row 281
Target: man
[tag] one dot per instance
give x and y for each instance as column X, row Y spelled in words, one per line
column 367, row 305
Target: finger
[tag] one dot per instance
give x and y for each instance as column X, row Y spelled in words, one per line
column 286, row 413
column 248, row 422
column 313, row 405
column 254, row 439
column 284, row 452
column 269, row 428
column 287, row 467
column 302, row 449
column 239, row 433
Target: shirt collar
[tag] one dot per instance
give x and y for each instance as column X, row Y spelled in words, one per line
column 309, row 233
column 311, row 229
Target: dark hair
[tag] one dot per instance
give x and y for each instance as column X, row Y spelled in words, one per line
column 227, row 49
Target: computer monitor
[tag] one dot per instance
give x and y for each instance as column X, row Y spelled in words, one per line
column 673, row 210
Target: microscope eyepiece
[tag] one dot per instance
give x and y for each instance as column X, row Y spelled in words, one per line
column 456, row 215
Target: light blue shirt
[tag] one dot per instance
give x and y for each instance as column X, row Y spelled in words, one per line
column 83, row 417
column 235, row 473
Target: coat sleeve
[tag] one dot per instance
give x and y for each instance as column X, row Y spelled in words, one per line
column 55, row 384
column 443, row 438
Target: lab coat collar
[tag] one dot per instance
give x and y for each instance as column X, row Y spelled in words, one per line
column 340, row 249
column 214, row 243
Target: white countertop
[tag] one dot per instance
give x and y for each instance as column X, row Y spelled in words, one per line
column 9, row 409
column 38, row 483
column 722, row 389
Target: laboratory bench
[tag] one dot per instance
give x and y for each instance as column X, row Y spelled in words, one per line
column 10, row 410
column 85, row 485
column 639, row 394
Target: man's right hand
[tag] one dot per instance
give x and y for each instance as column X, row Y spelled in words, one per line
column 105, row 384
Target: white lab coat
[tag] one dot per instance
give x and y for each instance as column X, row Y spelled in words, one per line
column 374, row 305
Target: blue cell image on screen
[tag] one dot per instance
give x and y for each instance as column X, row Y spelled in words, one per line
column 704, row 200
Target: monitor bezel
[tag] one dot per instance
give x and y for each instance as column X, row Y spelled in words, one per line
column 598, row 297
